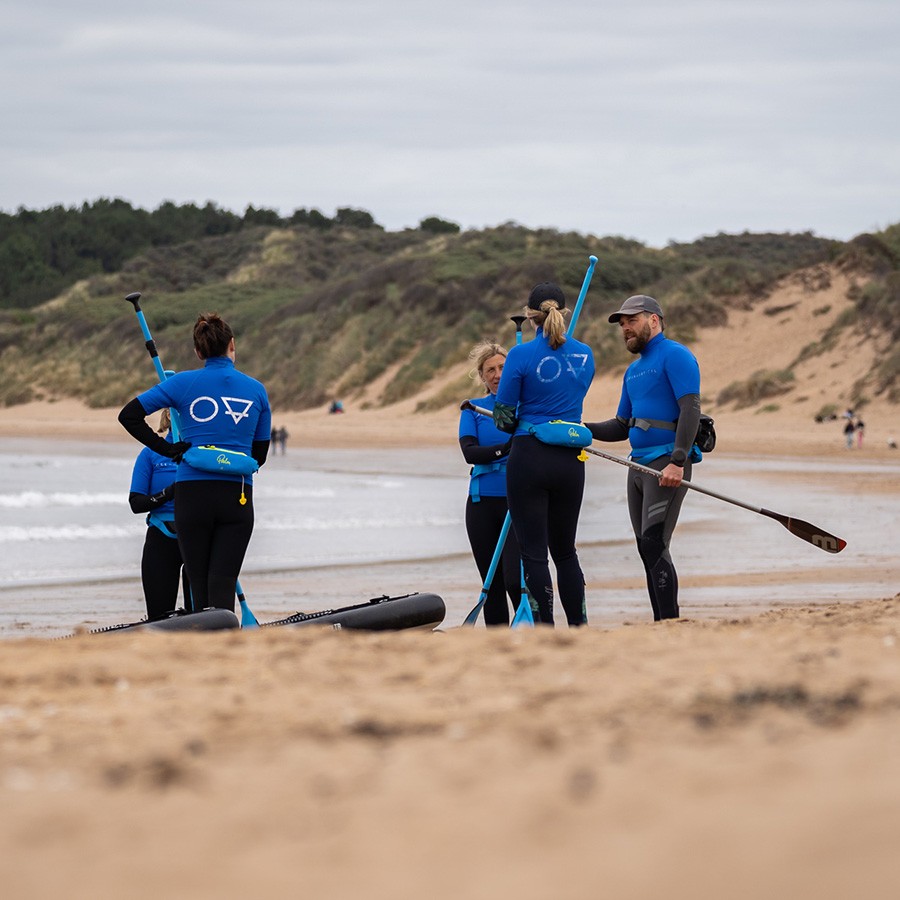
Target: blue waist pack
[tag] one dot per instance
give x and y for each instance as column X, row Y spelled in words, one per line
column 562, row 434
column 214, row 459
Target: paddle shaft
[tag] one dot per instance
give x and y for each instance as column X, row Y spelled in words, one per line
column 248, row 620
column 814, row 535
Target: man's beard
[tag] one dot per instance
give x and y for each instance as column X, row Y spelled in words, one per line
column 640, row 339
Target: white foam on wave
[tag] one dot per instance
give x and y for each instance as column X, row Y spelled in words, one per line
column 12, row 534
column 42, row 500
column 349, row 523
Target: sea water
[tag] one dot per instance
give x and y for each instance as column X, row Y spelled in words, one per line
column 65, row 521
column 64, row 513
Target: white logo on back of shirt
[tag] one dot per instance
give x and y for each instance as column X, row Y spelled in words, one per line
column 237, row 414
column 547, row 373
column 232, row 407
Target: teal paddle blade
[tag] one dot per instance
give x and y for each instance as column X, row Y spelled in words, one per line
column 523, row 617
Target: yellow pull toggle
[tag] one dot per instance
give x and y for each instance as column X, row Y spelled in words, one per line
column 243, row 500
column 582, row 457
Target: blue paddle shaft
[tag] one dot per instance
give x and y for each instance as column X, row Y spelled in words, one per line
column 472, row 617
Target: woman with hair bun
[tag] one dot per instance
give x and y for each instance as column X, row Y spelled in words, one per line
column 217, row 406
column 486, row 448
column 545, row 380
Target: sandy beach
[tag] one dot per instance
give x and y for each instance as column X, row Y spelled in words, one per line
column 747, row 750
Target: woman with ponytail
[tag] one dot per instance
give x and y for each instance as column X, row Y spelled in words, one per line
column 545, row 380
column 221, row 407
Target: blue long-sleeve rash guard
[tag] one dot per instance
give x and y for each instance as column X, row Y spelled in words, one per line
column 664, row 372
column 216, row 405
column 546, row 384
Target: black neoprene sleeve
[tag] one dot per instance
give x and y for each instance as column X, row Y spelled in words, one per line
column 477, row 455
column 133, row 418
column 610, row 430
column 686, row 430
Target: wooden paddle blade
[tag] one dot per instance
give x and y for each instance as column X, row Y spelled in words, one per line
column 814, row 535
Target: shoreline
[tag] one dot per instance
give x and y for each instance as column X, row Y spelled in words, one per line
column 742, row 432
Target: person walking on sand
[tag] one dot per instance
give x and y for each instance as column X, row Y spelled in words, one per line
column 546, row 379
column 486, row 449
column 849, row 431
column 152, row 490
column 659, row 412
column 860, row 433
column 222, row 407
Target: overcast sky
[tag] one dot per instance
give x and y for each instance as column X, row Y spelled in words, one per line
column 653, row 119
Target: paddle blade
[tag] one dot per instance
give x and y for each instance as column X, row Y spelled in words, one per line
column 248, row 620
column 523, row 617
column 814, row 535
column 472, row 617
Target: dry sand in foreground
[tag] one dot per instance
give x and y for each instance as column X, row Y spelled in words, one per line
column 756, row 757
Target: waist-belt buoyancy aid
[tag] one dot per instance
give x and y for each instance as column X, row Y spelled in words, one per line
column 164, row 525
column 477, row 472
column 647, row 424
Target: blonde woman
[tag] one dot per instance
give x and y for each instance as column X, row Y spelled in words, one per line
column 485, row 448
column 152, row 490
column 544, row 380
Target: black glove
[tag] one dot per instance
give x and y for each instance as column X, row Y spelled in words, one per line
column 176, row 451
column 164, row 496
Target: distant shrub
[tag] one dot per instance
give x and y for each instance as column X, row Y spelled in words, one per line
column 761, row 385
column 438, row 226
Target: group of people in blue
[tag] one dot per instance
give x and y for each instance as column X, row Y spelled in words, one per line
column 517, row 467
column 200, row 516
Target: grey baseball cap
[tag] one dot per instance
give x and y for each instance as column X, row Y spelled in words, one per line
column 637, row 303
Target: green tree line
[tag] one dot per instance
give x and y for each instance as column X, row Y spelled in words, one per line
column 44, row 251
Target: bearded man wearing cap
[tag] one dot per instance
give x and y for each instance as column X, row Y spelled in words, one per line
column 659, row 413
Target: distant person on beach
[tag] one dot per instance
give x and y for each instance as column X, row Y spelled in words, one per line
column 336, row 406
column 279, row 439
column 849, row 430
column 220, row 406
column 152, row 490
column 860, row 432
column 543, row 380
column 659, row 412
column 486, row 449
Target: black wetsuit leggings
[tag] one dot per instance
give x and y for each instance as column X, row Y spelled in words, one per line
column 545, row 487
column 654, row 512
column 161, row 570
column 484, row 522
column 214, row 529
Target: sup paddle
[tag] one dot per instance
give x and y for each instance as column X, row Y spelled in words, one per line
column 524, row 617
column 248, row 620
column 806, row 531
column 812, row 534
